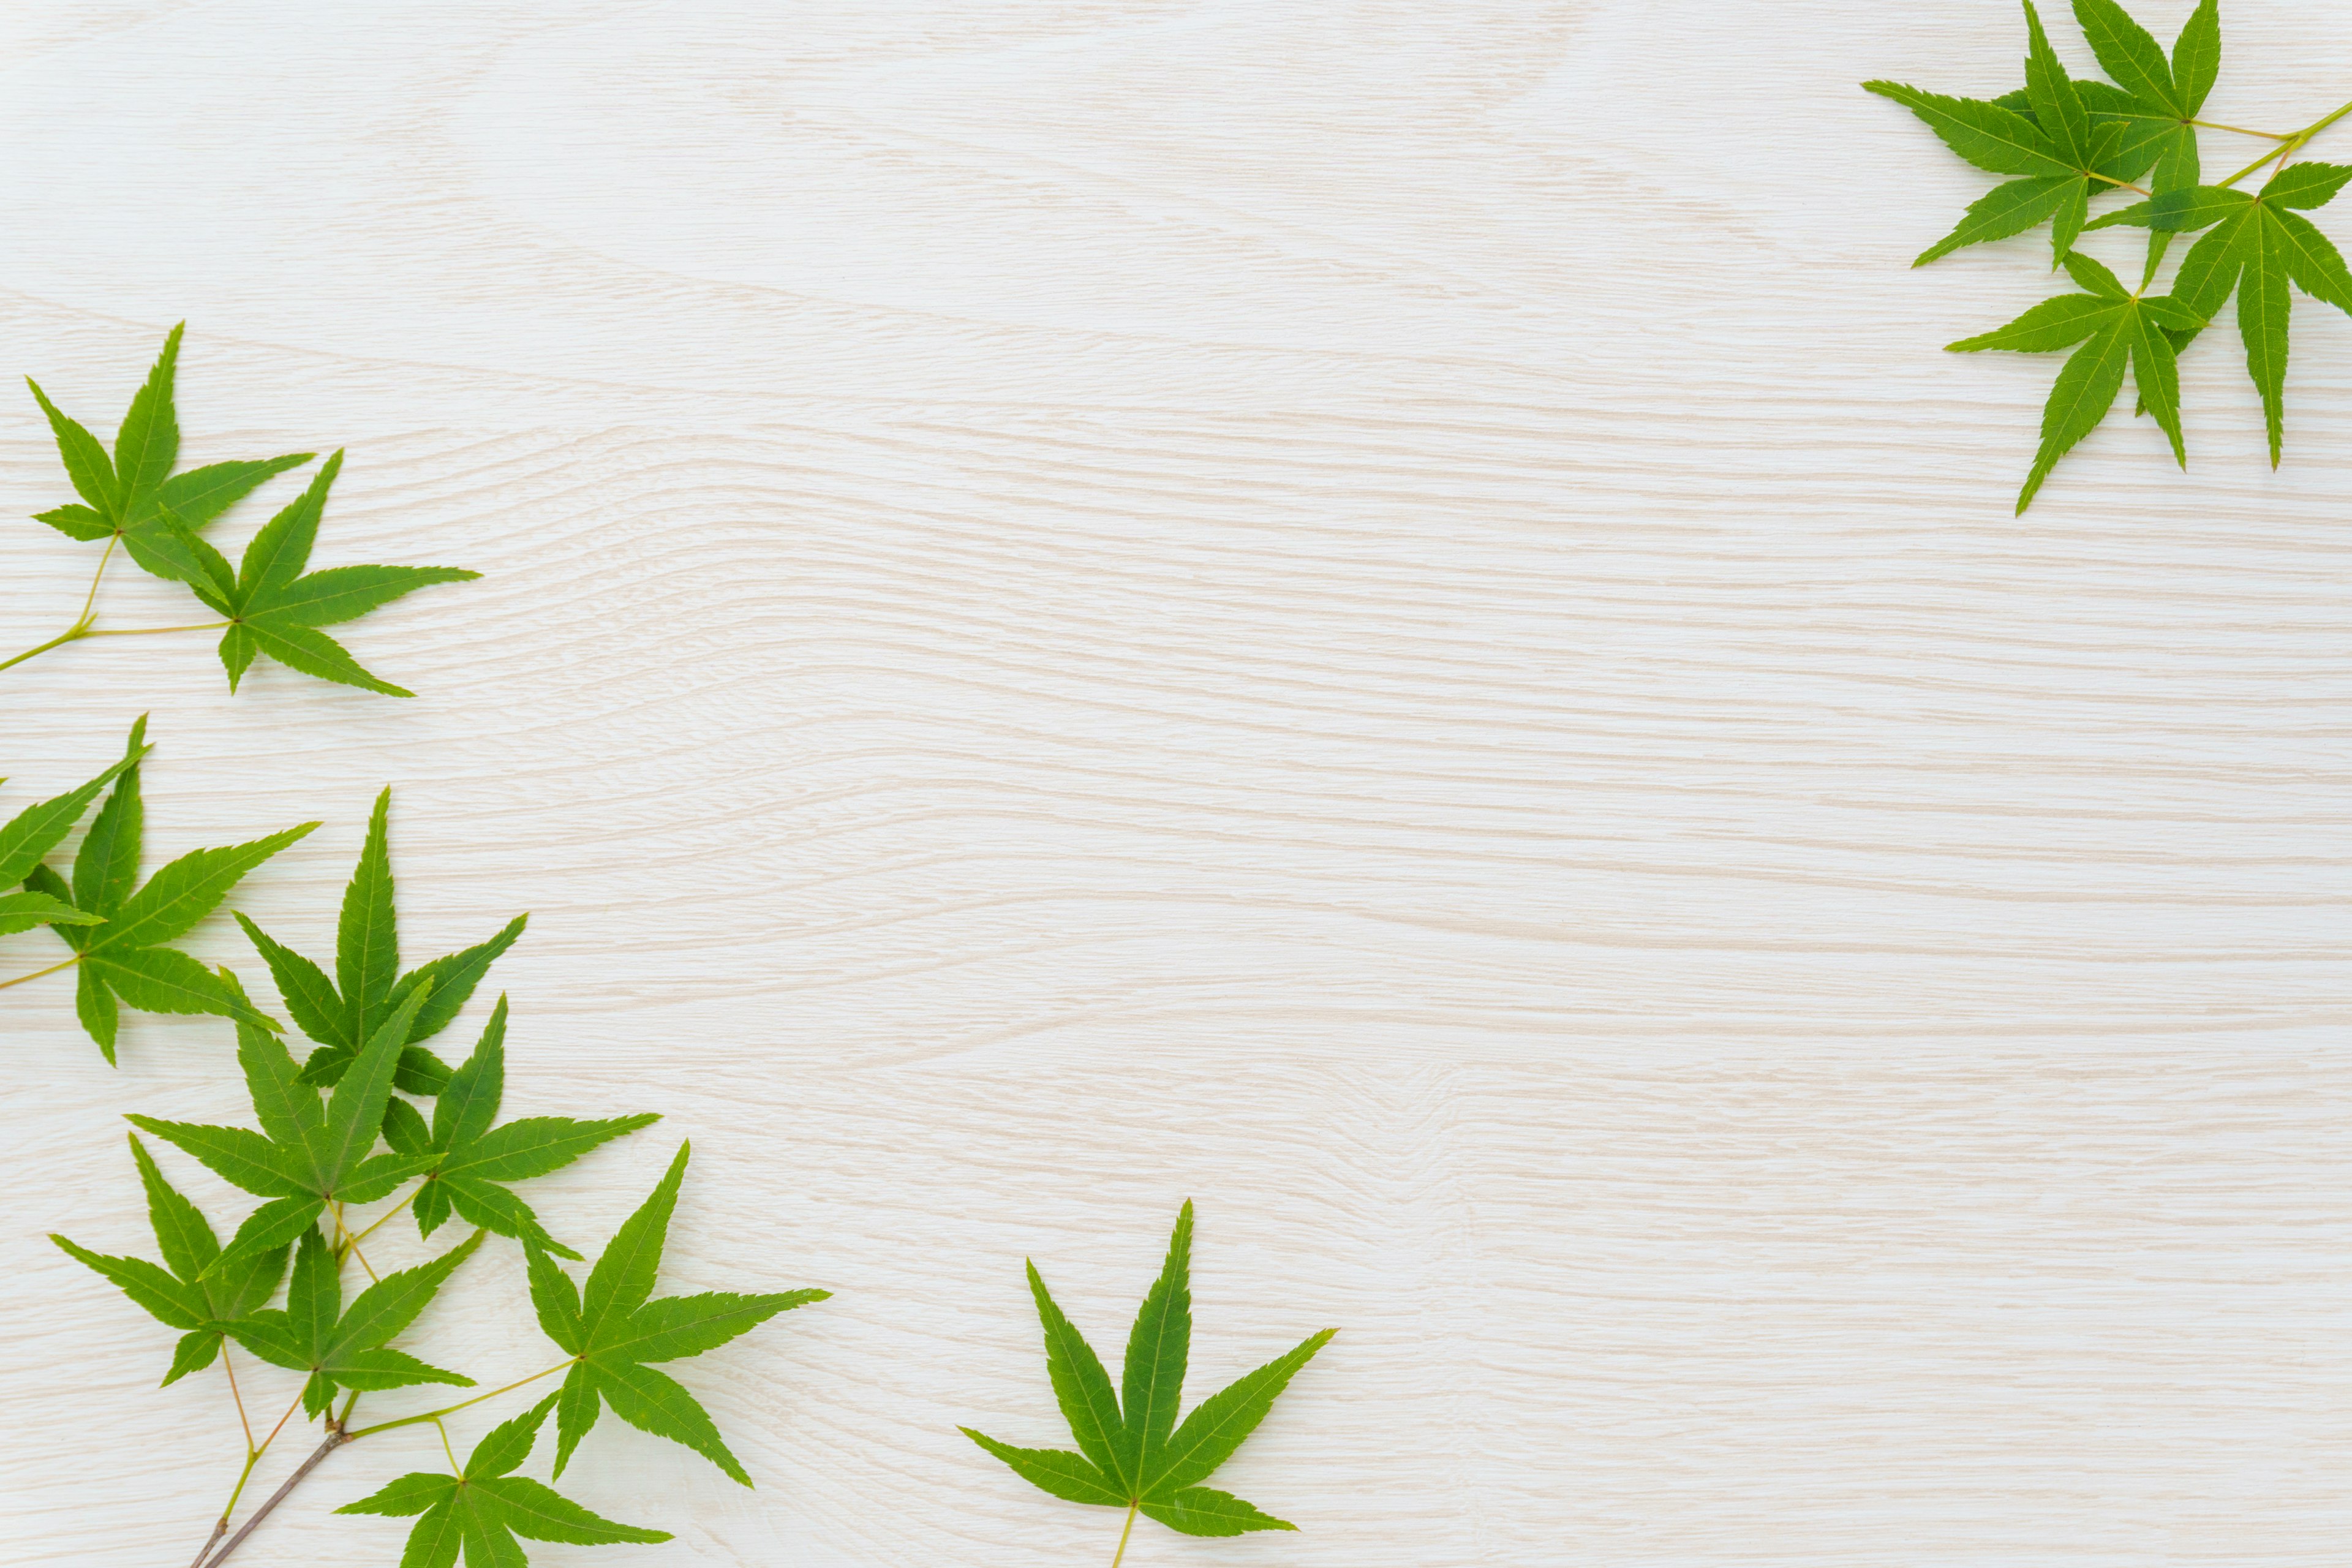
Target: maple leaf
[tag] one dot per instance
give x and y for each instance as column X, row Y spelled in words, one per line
column 273, row 606
column 342, row 1346
column 474, row 1161
column 33, row 832
column 2116, row 328
column 127, row 494
column 1132, row 1453
column 120, row 955
column 309, row 1153
column 341, row 1014
column 484, row 1507
column 178, row 1293
column 615, row 1333
column 2255, row 246
column 2048, row 136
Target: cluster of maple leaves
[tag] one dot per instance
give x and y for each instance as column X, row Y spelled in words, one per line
column 131, row 499
column 2066, row 143
column 345, row 1125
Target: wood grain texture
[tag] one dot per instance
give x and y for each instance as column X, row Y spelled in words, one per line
column 1382, row 615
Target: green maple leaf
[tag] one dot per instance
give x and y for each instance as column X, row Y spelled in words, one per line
column 1132, row 1453
column 120, row 955
column 273, row 606
column 484, row 1507
column 474, row 1161
column 341, row 1014
column 178, row 1293
column 33, row 832
column 615, row 1333
column 309, row 1153
column 2155, row 100
column 2116, row 328
column 342, row 1346
column 126, row 494
column 2254, row 247
column 2048, row 136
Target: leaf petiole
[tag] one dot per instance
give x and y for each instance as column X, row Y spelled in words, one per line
column 154, row 631
column 279, row 1427
column 453, row 1409
column 52, row 969
column 2241, row 131
column 81, row 629
column 2287, row 148
column 1124, row 1530
column 229, row 1367
column 90, row 600
column 252, row 1457
column 388, row 1213
column 71, row 634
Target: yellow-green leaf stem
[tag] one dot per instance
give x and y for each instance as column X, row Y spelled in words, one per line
column 2287, row 148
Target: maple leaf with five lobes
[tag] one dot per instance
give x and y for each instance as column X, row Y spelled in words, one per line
column 127, row 494
column 2063, row 152
column 33, row 832
column 474, row 1161
column 273, row 606
column 484, row 1506
column 120, row 955
column 309, row 1153
column 2256, row 244
column 2116, row 328
column 341, row 1014
column 343, row 1347
column 1132, row 1453
column 614, row 1333
column 178, row 1293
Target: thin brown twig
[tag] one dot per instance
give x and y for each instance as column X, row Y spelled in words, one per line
column 334, row 1441
column 220, row 1528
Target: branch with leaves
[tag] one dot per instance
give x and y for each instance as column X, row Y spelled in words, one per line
column 2066, row 143
column 334, row 1134
column 269, row 604
column 114, row 926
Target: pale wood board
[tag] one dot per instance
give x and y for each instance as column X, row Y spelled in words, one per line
column 1384, row 615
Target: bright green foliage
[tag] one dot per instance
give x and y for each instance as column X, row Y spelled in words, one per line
column 316, row 1154
column 474, row 1160
column 342, row 1346
column 309, row 1153
column 123, row 961
column 2156, row 99
column 1131, row 1451
column 179, row 1293
column 341, row 1014
column 617, row 1333
column 2114, row 327
column 2254, row 245
column 2071, row 140
column 273, row 606
column 484, row 1507
column 33, row 832
column 127, row 494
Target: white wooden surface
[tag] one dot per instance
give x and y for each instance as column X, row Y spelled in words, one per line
column 1382, row 615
